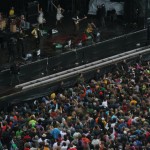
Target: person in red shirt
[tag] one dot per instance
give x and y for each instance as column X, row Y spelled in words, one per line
column 27, row 137
column 124, row 107
column 26, row 148
column 84, row 38
column 53, row 114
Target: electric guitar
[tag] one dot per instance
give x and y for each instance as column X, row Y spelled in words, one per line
column 77, row 20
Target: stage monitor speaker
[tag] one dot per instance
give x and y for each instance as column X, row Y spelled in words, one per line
column 32, row 8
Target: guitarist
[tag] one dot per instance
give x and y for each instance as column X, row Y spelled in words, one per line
column 77, row 22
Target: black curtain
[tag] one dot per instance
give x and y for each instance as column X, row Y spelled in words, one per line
column 19, row 6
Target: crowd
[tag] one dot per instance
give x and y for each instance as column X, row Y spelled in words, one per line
column 111, row 112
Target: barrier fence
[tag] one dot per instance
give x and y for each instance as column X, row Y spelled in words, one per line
column 41, row 91
column 35, row 93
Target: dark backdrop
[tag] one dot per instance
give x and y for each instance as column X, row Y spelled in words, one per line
column 21, row 5
column 18, row 4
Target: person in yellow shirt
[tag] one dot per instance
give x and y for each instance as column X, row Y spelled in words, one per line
column 133, row 102
column 36, row 33
column 46, row 146
column 52, row 96
column 104, row 121
column 11, row 12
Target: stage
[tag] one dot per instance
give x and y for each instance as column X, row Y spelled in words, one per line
column 65, row 31
column 59, row 58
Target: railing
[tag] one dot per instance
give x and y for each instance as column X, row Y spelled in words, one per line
column 52, row 83
column 84, row 68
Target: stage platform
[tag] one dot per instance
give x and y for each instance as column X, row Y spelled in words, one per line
column 65, row 31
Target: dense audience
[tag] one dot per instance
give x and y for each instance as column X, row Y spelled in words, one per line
column 111, row 112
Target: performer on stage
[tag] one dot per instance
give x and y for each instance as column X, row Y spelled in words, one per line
column 101, row 13
column 37, row 36
column 91, row 27
column 23, row 23
column 11, row 12
column 93, row 31
column 60, row 11
column 41, row 19
column 77, row 22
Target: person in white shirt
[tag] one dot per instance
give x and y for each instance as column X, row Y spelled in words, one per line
column 60, row 11
column 104, row 104
column 63, row 133
column 65, row 140
column 95, row 141
column 56, row 145
column 64, row 146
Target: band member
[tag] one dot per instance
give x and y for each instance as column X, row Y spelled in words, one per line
column 37, row 35
column 93, row 31
column 84, row 38
column 11, row 12
column 23, row 23
column 60, row 11
column 41, row 19
column 77, row 22
column 90, row 27
column 101, row 13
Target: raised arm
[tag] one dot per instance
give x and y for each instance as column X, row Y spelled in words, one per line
column 54, row 5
